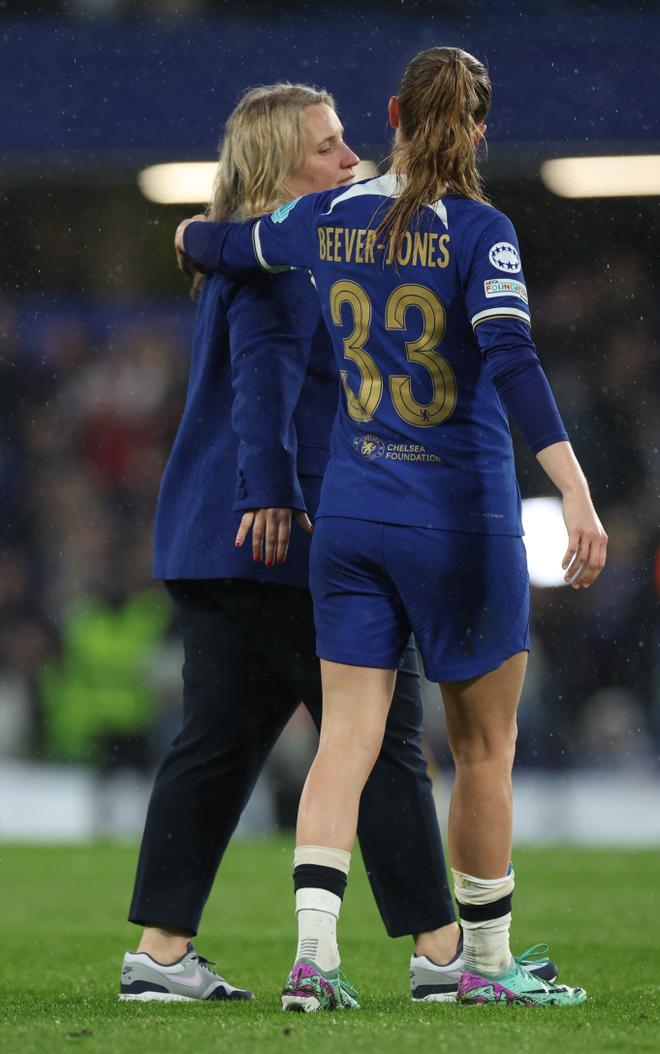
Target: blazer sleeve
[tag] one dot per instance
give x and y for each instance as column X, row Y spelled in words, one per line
column 271, row 324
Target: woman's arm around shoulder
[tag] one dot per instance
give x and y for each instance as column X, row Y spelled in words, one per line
column 285, row 239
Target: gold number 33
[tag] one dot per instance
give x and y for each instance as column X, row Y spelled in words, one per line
column 363, row 405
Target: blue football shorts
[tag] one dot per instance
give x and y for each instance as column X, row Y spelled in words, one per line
column 465, row 597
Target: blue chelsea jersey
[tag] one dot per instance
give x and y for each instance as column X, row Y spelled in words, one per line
column 421, row 436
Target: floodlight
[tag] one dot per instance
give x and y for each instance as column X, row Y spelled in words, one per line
column 635, row 175
column 545, row 540
column 178, row 183
column 191, row 182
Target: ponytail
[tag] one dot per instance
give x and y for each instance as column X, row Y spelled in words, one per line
column 444, row 95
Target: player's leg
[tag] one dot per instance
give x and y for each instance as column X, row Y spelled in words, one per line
column 481, row 726
column 399, row 832
column 398, row 827
column 434, row 971
column 360, row 639
column 481, row 730
column 467, row 598
column 356, row 702
column 234, row 708
column 463, row 624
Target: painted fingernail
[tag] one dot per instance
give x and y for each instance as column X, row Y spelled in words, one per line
column 257, row 559
column 268, row 563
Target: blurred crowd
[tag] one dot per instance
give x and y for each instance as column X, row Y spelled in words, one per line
column 91, row 399
column 89, row 659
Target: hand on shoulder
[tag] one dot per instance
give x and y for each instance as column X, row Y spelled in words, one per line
column 184, row 263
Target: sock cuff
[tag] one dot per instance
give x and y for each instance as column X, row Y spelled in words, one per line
column 324, row 856
column 474, row 914
column 470, row 890
column 315, row 876
column 310, row 899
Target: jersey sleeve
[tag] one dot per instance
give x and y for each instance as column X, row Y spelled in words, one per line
column 282, row 241
column 495, row 285
column 498, row 309
column 288, row 235
column 224, row 247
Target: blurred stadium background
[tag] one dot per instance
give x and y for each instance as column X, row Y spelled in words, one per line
column 94, row 328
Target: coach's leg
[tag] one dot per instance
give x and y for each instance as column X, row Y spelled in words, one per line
column 234, row 710
column 399, row 832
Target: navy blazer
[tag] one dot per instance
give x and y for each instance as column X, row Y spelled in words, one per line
column 255, row 432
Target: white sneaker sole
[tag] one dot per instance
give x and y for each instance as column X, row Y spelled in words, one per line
column 158, row 997
column 308, row 1004
column 436, row 997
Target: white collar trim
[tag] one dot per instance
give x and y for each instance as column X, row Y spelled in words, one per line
column 387, row 186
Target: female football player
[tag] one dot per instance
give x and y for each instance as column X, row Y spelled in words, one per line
column 255, row 433
column 419, row 526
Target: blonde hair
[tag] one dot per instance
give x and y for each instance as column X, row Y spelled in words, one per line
column 445, row 93
column 261, row 147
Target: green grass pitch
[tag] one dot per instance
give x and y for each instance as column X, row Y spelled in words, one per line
column 64, row 934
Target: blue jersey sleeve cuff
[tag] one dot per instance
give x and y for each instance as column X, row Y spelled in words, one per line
column 529, row 401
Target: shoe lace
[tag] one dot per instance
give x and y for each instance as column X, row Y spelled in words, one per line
column 537, row 953
column 206, row 963
column 347, row 987
column 536, row 981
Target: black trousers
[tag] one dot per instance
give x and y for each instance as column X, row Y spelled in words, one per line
column 249, row 661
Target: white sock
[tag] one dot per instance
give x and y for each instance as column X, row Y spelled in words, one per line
column 317, row 910
column 485, row 942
